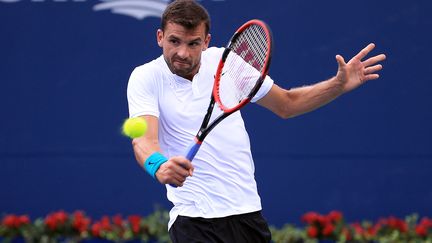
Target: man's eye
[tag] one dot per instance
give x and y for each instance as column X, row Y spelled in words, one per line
column 174, row 41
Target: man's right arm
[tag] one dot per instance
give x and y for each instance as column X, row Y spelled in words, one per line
column 175, row 170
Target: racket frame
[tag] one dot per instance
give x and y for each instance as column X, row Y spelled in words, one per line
column 221, row 64
column 205, row 129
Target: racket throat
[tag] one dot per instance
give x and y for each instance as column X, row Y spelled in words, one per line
column 199, row 138
column 203, row 132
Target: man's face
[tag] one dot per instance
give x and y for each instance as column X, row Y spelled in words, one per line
column 182, row 48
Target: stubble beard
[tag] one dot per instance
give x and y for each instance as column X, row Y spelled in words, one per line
column 187, row 71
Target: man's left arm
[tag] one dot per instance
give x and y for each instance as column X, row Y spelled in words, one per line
column 294, row 102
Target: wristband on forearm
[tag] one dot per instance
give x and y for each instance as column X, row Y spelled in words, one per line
column 153, row 162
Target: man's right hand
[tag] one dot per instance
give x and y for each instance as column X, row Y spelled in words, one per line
column 175, row 171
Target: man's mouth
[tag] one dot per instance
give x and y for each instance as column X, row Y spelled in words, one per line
column 181, row 62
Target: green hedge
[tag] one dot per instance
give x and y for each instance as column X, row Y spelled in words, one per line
column 61, row 226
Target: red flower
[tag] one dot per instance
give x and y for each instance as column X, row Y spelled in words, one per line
column 322, row 220
column 421, row 230
column 51, row 222
column 106, row 223
column 117, row 220
column 312, row 232
column 374, row 230
column 79, row 214
column 426, row 222
column 358, row 229
column 14, row 221
column 10, row 221
column 310, row 217
column 56, row 219
column 328, row 230
column 335, row 216
column 61, row 217
column 96, row 229
column 24, row 219
column 80, row 223
column 135, row 222
column 397, row 224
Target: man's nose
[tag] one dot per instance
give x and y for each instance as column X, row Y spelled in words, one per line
column 183, row 52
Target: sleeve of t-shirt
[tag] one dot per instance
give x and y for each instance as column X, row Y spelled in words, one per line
column 142, row 93
column 264, row 89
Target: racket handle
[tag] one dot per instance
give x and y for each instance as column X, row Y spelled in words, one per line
column 192, row 150
column 190, row 154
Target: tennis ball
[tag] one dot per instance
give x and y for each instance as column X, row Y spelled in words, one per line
column 135, row 127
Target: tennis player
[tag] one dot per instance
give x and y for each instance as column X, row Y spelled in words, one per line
column 216, row 198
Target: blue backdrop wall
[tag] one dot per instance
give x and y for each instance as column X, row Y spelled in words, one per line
column 64, row 67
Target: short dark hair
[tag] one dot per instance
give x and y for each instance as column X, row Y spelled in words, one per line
column 187, row 13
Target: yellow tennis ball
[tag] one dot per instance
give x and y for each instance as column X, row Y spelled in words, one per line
column 135, row 127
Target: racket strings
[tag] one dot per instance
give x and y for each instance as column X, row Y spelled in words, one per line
column 256, row 39
column 243, row 66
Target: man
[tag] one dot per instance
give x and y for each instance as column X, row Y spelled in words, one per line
column 216, row 198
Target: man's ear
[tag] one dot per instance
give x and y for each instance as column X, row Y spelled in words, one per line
column 159, row 37
column 206, row 42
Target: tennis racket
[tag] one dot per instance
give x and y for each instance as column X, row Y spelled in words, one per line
column 241, row 71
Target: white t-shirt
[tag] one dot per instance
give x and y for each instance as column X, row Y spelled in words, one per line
column 223, row 182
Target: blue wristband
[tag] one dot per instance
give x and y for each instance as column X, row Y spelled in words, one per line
column 153, row 162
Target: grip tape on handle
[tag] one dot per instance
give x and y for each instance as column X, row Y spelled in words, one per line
column 191, row 152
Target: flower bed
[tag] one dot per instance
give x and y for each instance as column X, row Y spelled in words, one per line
column 333, row 228
column 78, row 227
